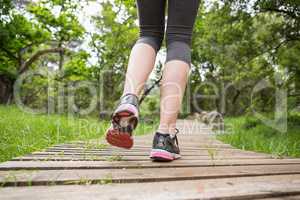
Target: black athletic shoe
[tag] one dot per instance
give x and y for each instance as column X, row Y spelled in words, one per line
column 165, row 147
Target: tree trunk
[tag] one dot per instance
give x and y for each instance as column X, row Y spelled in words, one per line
column 6, row 89
column 61, row 57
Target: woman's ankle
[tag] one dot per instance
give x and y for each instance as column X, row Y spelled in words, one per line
column 167, row 128
column 129, row 98
column 129, row 93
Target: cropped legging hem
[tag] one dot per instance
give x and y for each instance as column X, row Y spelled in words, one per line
column 153, row 41
column 176, row 50
column 181, row 18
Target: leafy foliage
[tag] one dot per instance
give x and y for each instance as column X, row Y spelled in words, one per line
column 236, row 45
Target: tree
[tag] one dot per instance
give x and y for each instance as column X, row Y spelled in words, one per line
column 234, row 50
column 28, row 34
column 288, row 33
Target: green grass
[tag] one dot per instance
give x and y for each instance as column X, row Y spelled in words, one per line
column 22, row 133
column 250, row 133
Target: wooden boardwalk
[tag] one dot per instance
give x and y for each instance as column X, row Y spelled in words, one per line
column 208, row 169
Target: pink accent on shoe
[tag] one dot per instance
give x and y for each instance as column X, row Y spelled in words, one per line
column 161, row 155
column 128, row 107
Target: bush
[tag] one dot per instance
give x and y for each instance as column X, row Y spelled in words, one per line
column 293, row 119
column 149, row 109
column 251, row 122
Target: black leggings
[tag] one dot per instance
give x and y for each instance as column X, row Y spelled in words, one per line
column 181, row 18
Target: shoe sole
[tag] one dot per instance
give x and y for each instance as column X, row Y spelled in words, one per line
column 118, row 138
column 163, row 155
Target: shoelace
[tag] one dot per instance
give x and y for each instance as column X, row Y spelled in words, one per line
column 175, row 136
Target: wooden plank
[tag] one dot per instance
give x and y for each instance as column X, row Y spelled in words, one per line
column 227, row 188
column 146, row 153
column 138, row 146
column 182, row 136
column 183, row 139
column 55, row 165
column 149, row 144
column 130, row 158
column 45, row 177
column 183, row 149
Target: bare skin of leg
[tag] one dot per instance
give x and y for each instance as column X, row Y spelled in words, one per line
column 175, row 76
column 141, row 63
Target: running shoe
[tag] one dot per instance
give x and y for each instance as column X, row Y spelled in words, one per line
column 124, row 121
column 165, row 147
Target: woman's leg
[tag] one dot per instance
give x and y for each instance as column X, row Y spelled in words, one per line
column 181, row 18
column 141, row 62
column 151, row 16
column 172, row 89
